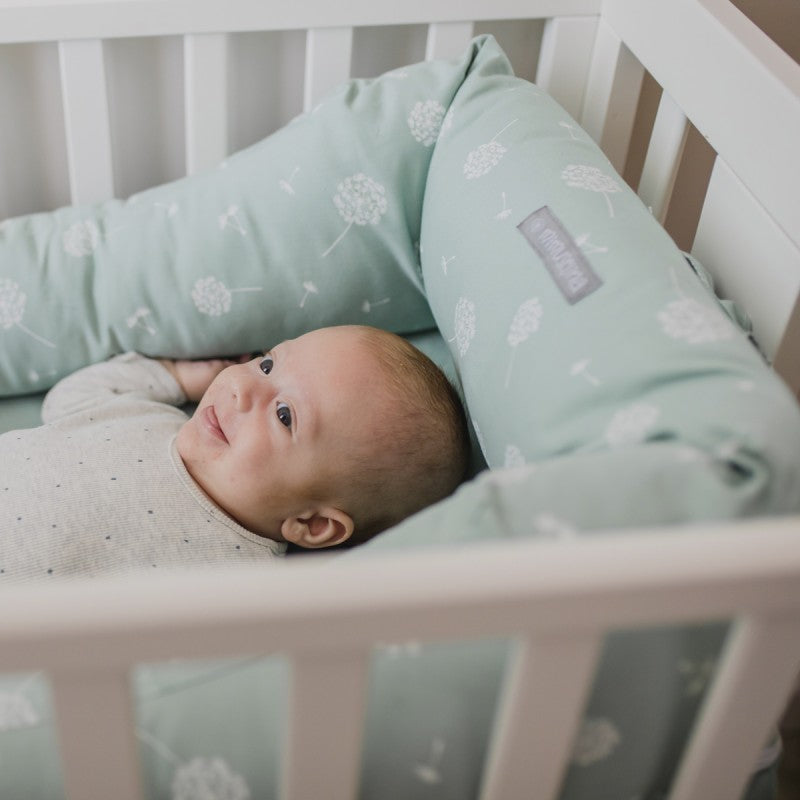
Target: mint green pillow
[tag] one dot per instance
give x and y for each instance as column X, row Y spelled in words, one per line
column 580, row 330
column 316, row 225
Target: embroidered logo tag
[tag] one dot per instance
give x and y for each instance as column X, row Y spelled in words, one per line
column 562, row 257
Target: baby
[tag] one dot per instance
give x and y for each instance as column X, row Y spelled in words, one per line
column 325, row 439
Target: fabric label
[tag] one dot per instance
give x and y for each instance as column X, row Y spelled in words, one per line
column 562, row 257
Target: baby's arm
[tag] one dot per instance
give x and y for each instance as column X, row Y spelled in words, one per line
column 93, row 386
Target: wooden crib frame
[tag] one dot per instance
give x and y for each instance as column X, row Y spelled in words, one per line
column 743, row 94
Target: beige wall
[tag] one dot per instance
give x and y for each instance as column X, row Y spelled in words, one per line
column 780, row 19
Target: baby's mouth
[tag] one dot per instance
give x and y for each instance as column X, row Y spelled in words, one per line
column 210, row 421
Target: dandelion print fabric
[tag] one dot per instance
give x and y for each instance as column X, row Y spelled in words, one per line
column 548, row 369
column 312, row 226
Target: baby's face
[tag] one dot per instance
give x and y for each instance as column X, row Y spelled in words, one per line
column 268, row 436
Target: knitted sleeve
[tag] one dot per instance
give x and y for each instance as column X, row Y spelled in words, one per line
column 129, row 373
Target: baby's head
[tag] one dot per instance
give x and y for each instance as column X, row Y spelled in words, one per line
column 330, row 437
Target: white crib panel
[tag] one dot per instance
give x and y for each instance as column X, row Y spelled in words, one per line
column 564, row 60
column 739, row 714
column 612, row 95
column 206, row 100
column 447, row 39
column 328, row 55
column 544, row 693
column 700, row 573
column 48, row 20
column 94, row 718
column 752, row 260
column 88, row 137
column 325, row 725
column 721, row 55
column 663, row 158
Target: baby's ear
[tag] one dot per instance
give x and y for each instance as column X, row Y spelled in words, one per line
column 322, row 527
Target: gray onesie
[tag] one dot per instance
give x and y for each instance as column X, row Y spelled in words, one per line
column 100, row 487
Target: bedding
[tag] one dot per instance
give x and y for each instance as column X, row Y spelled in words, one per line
column 606, row 384
column 316, row 225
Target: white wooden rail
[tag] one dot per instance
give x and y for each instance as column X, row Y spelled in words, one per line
column 88, row 136
column 327, row 615
column 206, row 99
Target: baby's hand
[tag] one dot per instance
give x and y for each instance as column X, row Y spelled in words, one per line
column 195, row 377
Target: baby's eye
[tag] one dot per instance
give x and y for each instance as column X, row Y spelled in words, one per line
column 284, row 415
column 266, row 365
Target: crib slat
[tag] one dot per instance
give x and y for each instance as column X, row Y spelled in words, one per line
column 564, row 59
column 755, row 679
column 663, row 157
column 735, row 233
column 543, row 696
column 83, row 87
column 205, row 59
column 612, row 95
column 95, row 721
column 325, row 729
column 447, row 39
column 328, row 54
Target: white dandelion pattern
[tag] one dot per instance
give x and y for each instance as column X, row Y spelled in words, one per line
column 694, row 322
column 525, row 323
column 505, row 212
column 81, row 238
column 486, row 157
column 464, row 325
column 581, row 369
column 213, row 297
column 201, row 778
column 429, row 771
column 583, row 242
column 141, row 319
column 571, row 129
column 367, row 306
column 208, row 779
column 286, row 184
column 583, row 176
column 425, row 121
column 360, row 201
column 631, row 424
column 446, row 263
column 597, row 740
column 691, row 321
column 12, row 309
column 231, row 218
column 309, row 288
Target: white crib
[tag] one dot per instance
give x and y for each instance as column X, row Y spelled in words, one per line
column 718, row 72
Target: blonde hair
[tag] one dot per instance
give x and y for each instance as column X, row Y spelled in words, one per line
column 421, row 452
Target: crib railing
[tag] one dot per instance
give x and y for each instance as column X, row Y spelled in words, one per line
column 556, row 601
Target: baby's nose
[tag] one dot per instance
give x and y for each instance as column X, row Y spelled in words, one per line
column 250, row 391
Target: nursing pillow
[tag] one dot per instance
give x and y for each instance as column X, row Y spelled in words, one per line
column 316, row 225
column 598, row 366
